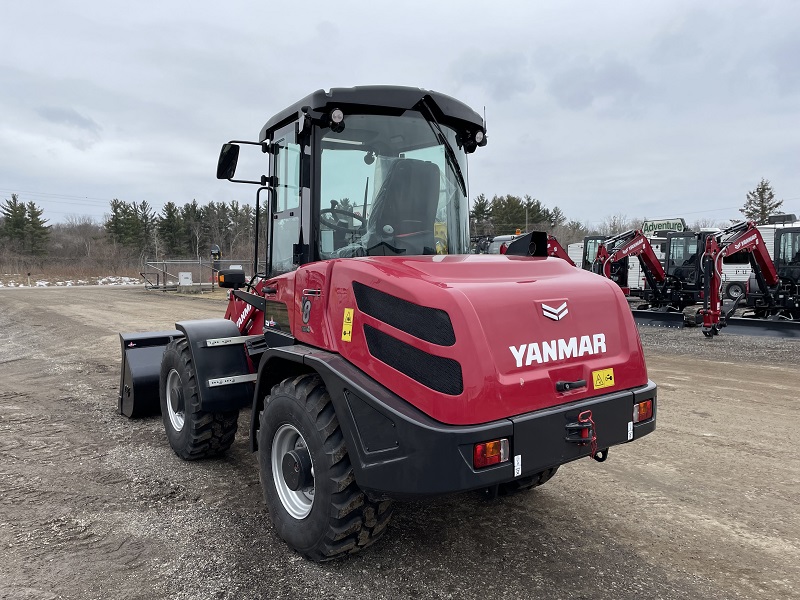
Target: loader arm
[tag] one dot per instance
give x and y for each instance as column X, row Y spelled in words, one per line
column 554, row 248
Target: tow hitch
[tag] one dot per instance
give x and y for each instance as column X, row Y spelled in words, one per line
column 582, row 432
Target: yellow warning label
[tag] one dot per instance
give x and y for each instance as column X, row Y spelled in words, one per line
column 347, row 325
column 603, row 378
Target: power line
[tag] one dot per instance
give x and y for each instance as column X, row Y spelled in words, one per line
column 54, row 195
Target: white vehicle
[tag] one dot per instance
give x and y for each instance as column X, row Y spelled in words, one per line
column 768, row 231
column 498, row 241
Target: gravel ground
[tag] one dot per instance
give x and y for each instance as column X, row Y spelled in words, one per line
column 95, row 505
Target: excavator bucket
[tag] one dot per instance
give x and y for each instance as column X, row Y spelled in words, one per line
column 762, row 327
column 657, row 318
column 141, row 367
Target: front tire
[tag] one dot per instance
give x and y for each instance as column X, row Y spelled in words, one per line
column 193, row 433
column 308, row 481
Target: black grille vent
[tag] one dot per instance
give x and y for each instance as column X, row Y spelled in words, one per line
column 430, row 324
column 435, row 372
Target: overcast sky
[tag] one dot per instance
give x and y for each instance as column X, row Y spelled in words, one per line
column 657, row 109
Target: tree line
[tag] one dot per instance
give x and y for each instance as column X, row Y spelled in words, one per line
column 130, row 234
column 133, row 232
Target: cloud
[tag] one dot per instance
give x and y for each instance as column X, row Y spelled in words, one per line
column 500, row 75
column 69, row 117
column 784, row 58
column 609, row 84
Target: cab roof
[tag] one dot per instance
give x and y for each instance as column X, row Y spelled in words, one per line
column 379, row 99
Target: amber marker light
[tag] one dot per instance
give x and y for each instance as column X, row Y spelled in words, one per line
column 486, row 454
column 642, row 411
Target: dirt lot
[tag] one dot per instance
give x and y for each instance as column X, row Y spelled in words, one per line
column 93, row 505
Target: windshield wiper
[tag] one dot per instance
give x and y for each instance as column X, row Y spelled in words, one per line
column 449, row 153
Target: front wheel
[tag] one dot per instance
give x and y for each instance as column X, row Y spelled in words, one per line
column 308, row 480
column 193, row 433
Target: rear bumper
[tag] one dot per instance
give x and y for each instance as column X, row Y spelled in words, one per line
column 399, row 452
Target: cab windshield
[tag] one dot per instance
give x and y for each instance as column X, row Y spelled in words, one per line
column 392, row 185
column 789, row 253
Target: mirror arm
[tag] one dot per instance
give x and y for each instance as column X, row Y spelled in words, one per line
column 264, row 145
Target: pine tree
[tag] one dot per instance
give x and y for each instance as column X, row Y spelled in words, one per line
column 14, row 219
column 36, row 232
column 170, row 230
column 481, row 215
column 508, row 214
column 537, row 214
column 192, row 218
column 761, row 203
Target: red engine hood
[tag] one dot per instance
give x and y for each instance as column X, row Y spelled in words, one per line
column 521, row 325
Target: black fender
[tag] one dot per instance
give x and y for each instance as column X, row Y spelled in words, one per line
column 224, row 380
column 276, row 364
column 343, row 381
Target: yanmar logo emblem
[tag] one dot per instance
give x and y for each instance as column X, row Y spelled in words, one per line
column 555, row 313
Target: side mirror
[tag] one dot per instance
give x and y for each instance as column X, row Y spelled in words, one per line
column 228, row 157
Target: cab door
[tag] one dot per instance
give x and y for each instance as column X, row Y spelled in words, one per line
column 286, row 209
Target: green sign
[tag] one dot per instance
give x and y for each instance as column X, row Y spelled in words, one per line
column 656, row 226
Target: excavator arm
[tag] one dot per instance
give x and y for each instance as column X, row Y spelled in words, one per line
column 631, row 243
column 742, row 237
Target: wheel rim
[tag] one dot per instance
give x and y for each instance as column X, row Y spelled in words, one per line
column 176, row 417
column 734, row 291
column 297, row 503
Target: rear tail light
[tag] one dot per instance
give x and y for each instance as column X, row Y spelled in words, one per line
column 503, row 248
column 643, row 411
column 486, row 454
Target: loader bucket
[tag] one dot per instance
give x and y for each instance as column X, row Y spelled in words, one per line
column 141, row 367
column 657, row 318
column 762, row 327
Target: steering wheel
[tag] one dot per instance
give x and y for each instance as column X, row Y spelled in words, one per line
column 330, row 222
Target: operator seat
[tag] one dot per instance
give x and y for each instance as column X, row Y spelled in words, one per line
column 407, row 201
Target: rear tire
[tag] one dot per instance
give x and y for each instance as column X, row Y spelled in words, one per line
column 321, row 513
column 734, row 290
column 193, row 433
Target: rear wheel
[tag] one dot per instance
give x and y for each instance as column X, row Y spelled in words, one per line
column 193, row 433
column 734, row 290
column 308, row 481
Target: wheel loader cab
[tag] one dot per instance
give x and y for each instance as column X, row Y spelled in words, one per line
column 373, row 171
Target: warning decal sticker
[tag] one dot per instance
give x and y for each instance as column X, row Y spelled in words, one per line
column 347, row 325
column 603, row 378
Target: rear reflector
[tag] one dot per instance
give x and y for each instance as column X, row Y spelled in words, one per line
column 642, row 411
column 490, row 453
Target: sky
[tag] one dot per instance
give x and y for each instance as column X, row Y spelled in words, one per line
column 645, row 109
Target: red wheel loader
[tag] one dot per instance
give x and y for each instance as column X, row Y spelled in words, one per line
column 381, row 361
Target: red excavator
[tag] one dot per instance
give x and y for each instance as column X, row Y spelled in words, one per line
column 773, row 297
